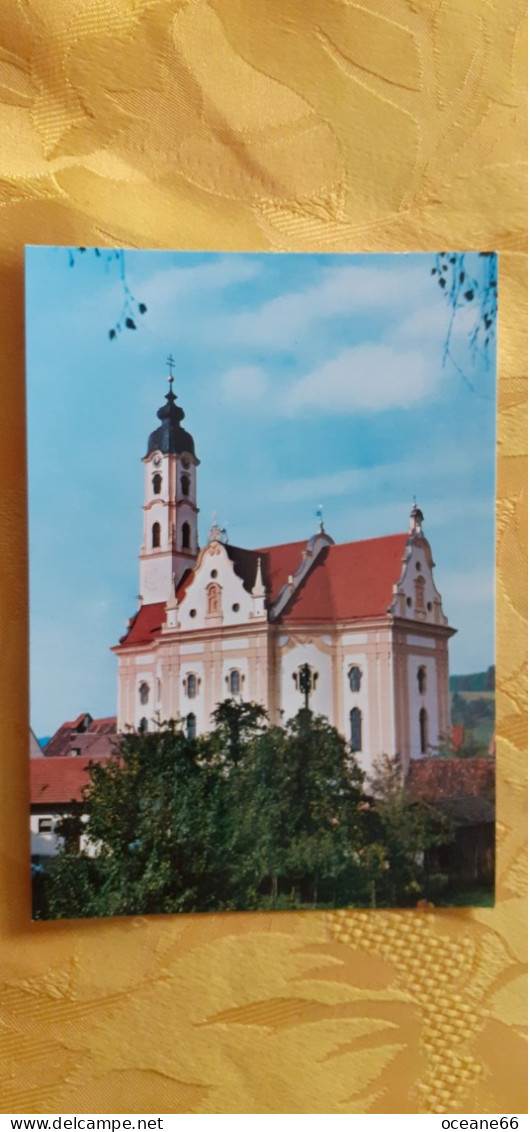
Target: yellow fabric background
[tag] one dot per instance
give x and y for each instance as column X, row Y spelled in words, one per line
column 238, row 124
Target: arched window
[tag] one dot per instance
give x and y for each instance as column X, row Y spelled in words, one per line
column 424, row 731
column 356, row 729
column 186, row 535
column 235, row 682
column 419, row 592
column 214, row 598
column 155, row 535
column 191, row 686
column 354, row 677
column 191, row 726
column 143, row 725
column 185, row 485
column 422, row 679
column 157, row 483
column 143, row 692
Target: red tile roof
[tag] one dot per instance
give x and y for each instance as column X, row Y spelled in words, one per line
column 57, row 781
column 94, row 740
column 145, row 625
column 349, row 581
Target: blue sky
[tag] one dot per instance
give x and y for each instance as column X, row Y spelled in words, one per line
column 305, row 380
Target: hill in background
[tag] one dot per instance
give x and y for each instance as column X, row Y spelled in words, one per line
column 473, row 706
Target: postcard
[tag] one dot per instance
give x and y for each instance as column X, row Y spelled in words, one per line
column 261, row 503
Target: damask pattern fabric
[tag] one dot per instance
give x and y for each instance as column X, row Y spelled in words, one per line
column 232, row 124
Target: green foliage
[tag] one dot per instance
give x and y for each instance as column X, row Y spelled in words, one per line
column 409, row 830
column 247, row 817
column 474, row 681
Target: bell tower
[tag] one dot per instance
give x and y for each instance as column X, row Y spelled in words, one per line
column 170, row 540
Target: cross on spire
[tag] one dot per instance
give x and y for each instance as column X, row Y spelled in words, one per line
column 170, row 362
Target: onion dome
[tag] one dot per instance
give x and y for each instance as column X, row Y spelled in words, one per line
column 170, row 437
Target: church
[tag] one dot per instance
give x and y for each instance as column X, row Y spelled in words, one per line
column 355, row 631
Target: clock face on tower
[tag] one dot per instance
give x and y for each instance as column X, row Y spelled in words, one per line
column 185, row 462
column 157, row 460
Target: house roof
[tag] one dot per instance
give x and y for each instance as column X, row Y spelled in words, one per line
column 348, row 582
column 58, row 780
column 87, row 736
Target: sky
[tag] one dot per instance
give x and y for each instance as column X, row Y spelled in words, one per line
column 306, row 380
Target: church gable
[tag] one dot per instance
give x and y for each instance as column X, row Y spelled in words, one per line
column 415, row 595
column 215, row 594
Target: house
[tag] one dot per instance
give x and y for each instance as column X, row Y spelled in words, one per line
column 59, row 776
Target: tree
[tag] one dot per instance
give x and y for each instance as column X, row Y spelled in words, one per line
column 131, row 308
column 464, row 286
column 249, row 816
column 408, row 830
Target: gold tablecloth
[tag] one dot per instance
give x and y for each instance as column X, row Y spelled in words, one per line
column 237, row 124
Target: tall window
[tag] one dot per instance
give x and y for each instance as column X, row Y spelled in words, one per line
column 143, row 725
column 356, row 729
column 185, row 485
column 354, row 677
column 155, row 535
column 235, row 682
column 214, row 598
column 422, row 679
column 424, row 732
column 186, row 535
column 191, row 726
column 157, row 483
column 144, row 692
column 191, row 686
column 419, row 592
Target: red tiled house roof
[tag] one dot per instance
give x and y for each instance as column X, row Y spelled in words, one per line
column 87, row 736
column 58, row 780
column 348, row 582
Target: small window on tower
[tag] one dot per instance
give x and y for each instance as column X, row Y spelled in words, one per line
column 186, row 536
column 191, row 726
column 185, row 485
column 155, row 535
column 143, row 725
column 157, row 483
column 191, row 686
column 422, row 679
column 143, row 692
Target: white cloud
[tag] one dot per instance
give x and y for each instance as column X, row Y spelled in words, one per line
column 351, row 289
column 365, row 378
column 245, row 386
